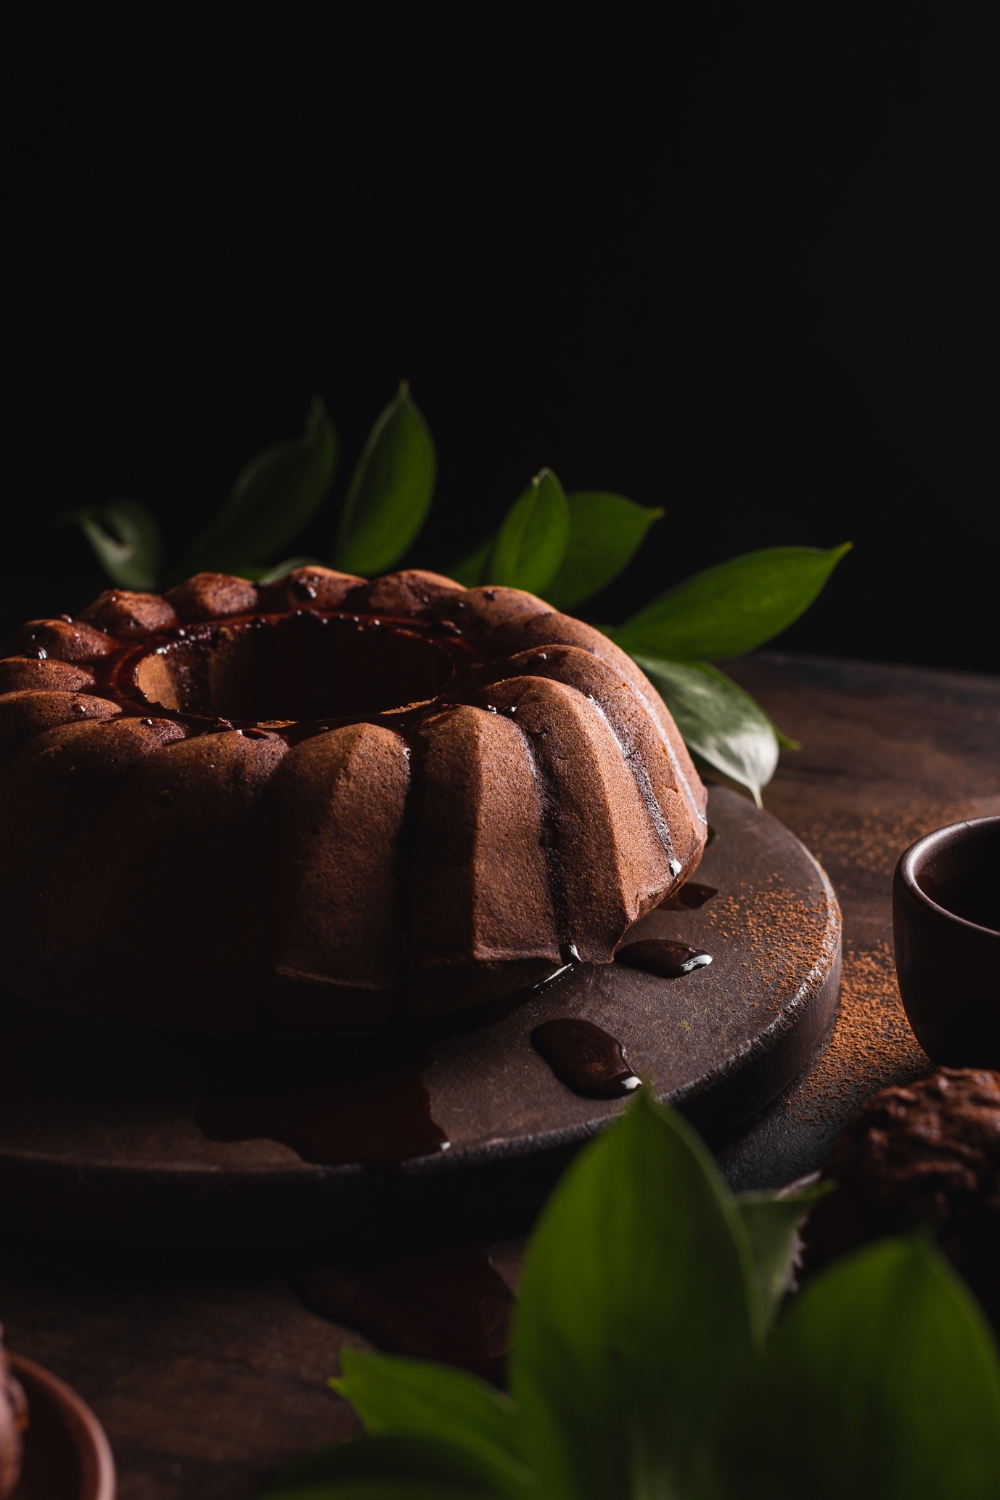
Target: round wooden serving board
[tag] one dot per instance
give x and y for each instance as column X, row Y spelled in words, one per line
column 101, row 1125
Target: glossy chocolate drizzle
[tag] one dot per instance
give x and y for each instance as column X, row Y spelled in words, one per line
column 657, row 956
column 450, row 1304
column 689, row 897
column 375, row 1116
column 586, row 1059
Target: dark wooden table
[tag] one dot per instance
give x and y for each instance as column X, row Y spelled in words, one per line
column 209, row 1379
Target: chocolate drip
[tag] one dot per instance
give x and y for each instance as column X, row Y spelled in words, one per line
column 586, row 1059
column 449, row 1305
column 690, row 896
column 376, row 1118
column 656, row 956
column 548, row 803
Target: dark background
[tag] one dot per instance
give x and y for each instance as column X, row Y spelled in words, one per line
column 736, row 266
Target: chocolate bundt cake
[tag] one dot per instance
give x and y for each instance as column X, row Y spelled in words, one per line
column 325, row 802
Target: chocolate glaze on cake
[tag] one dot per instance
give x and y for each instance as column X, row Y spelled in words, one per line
column 13, row 1421
column 327, row 802
column 923, row 1156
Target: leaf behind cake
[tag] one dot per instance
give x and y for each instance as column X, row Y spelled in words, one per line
column 605, row 533
column 720, row 723
column 126, row 541
column 273, row 499
column 734, row 607
column 390, row 491
column 530, row 546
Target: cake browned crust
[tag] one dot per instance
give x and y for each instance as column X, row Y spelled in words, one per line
column 925, row 1156
column 13, row 1421
column 325, row 802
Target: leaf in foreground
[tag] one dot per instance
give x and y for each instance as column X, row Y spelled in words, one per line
column 275, row 496
column 734, row 607
column 605, row 532
column 126, row 540
column 717, row 719
column 390, row 491
column 772, row 1222
column 391, row 1394
column 531, row 543
column 881, row 1383
column 390, row 1467
column 637, row 1311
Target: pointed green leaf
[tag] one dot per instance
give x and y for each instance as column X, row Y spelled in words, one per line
column 637, row 1311
column 733, row 608
column 718, row 721
column 469, row 569
column 881, row 1383
column 391, row 1394
column 275, row 496
column 772, row 1222
column 530, row 546
column 388, row 1467
column 605, row 532
column 390, row 491
column 271, row 575
column 125, row 538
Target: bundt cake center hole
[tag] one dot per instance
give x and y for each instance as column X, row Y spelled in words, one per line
column 296, row 667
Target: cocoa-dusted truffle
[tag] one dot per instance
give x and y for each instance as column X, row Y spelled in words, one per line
column 13, row 1421
column 927, row 1155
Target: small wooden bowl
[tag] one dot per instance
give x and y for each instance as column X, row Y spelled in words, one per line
column 66, row 1454
column 945, row 920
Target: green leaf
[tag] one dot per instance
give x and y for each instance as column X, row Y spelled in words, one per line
column 275, row 496
column 469, row 569
column 529, row 547
column 733, row 608
column 637, row 1311
column 717, row 719
column 390, row 491
column 881, row 1383
column 389, row 1467
column 384, row 1487
column 271, row 575
column 126, row 540
column 772, row 1222
column 391, row 1394
column 605, row 532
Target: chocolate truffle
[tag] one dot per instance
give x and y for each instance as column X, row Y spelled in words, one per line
column 923, row 1156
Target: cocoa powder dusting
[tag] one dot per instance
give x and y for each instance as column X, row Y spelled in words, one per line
column 785, row 934
column 872, row 1045
column 874, row 842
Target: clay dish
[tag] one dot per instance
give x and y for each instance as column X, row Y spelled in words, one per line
column 946, row 925
column 66, row 1454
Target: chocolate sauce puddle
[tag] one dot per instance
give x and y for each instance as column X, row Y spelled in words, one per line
column 586, row 1059
column 327, row 1102
column 373, row 1117
column 449, row 1304
column 657, row 956
column 690, row 896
